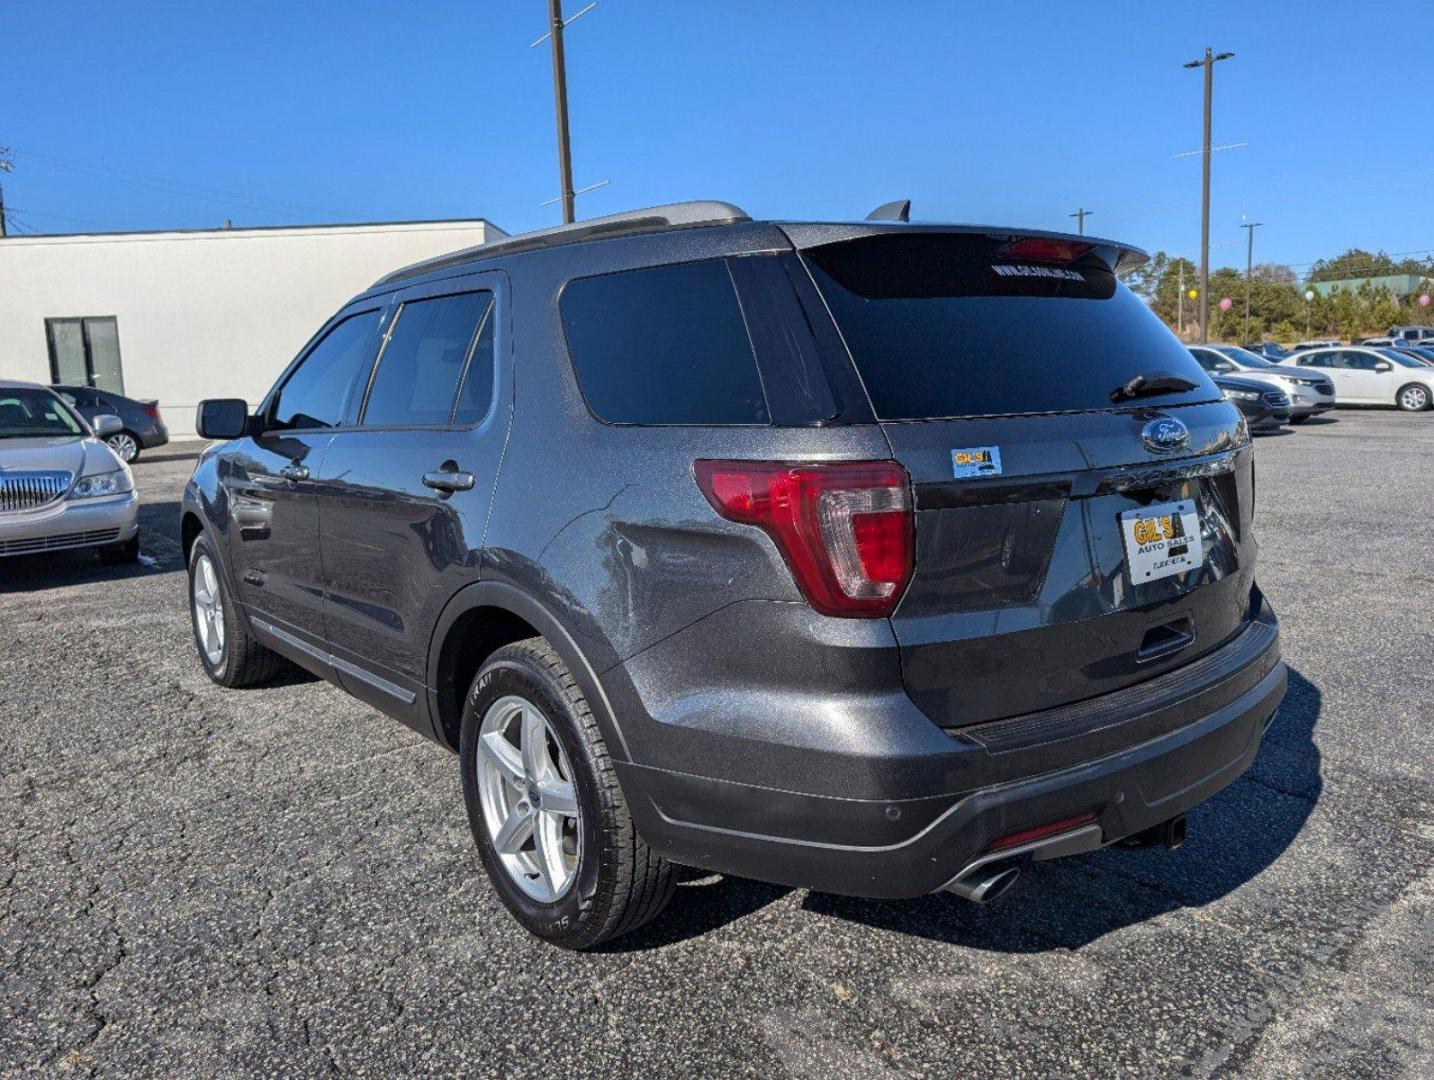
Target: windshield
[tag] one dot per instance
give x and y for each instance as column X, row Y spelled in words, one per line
column 28, row 413
column 949, row 325
column 1243, row 357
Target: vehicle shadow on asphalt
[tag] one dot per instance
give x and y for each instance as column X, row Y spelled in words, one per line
column 159, row 549
column 1069, row 903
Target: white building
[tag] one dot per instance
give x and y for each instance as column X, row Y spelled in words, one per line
column 182, row 316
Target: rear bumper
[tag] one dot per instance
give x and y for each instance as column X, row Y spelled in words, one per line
column 70, row 523
column 1209, row 731
column 156, row 435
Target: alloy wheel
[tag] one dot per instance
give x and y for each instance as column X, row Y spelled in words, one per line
column 208, row 610
column 1414, row 398
column 124, row 445
column 529, row 802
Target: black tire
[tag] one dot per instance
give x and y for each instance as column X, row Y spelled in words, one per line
column 133, row 453
column 127, row 551
column 243, row 661
column 1414, row 397
column 620, row 883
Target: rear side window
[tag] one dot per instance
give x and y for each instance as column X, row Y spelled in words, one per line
column 663, row 345
column 317, row 392
column 427, row 355
column 949, row 325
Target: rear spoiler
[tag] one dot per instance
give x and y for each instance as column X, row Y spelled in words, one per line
column 1121, row 258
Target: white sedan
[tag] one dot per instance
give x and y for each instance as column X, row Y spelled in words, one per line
column 1364, row 375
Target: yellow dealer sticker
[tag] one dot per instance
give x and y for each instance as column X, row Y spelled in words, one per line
column 1161, row 540
column 976, row 461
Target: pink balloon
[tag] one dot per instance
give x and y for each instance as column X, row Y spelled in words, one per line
column 1226, row 303
column 1424, row 300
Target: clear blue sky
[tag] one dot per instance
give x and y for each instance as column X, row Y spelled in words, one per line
column 1000, row 113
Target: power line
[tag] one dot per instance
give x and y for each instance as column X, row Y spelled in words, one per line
column 62, row 217
column 185, row 188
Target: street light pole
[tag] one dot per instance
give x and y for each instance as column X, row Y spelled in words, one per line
column 1250, row 226
column 1080, row 216
column 560, row 94
column 1208, row 63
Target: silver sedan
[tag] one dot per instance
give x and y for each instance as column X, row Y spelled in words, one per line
column 61, row 486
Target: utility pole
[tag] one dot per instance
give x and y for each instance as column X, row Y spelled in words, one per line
column 1250, row 227
column 5, row 167
column 1080, row 216
column 1208, row 63
column 560, row 94
column 1180, row 304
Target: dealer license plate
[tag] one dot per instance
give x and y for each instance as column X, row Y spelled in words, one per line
column 1161, row 540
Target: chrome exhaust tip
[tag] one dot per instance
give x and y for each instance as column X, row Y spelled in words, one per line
column 985, row 883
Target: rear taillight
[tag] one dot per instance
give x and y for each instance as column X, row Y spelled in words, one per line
column 152, row 411
column 845, row 528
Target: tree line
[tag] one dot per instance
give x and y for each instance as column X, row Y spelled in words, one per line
column 1278, row 308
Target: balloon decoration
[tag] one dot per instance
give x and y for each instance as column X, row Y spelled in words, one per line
column 1424, row 300
column 1226, row 303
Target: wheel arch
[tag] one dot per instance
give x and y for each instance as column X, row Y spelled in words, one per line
column 480, row 619
column 190, row 526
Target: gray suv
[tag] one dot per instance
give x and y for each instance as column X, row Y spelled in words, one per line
column 872, row 558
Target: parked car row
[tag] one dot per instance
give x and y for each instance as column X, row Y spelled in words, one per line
column 1330, row 373
column 1267, row 394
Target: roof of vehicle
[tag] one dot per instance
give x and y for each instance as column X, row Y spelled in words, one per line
column 16, row 384
column 709, row 213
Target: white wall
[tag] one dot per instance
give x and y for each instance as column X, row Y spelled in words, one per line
column 202, row 314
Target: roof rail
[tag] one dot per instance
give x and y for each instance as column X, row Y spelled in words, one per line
column 681, row 215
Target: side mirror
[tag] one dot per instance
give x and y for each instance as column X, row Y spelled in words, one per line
column 107, row 424
column 222, row 418
column 1383, row 365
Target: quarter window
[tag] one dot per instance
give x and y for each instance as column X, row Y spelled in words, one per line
column 318, row 391
column 433, row 344
column 664, row 345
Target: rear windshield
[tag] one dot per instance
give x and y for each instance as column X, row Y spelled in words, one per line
column 944, row 325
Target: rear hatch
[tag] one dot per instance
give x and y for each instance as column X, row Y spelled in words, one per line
column 1067, row 544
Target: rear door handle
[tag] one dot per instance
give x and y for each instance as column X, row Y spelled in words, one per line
column 444, row 480
column 294, row 472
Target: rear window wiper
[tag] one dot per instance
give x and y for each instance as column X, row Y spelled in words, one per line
column 1151, row 382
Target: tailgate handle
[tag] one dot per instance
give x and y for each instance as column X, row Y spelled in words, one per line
column 1165, row 639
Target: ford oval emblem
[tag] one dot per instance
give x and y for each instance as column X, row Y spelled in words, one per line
column 1165, row 435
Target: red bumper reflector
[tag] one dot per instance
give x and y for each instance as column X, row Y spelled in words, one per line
column 1040, row 832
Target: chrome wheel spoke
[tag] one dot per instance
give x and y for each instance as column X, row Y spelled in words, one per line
column 548, row 851
column 558, row 797
column 515, row 832
column 536, row 763
column 503, row 756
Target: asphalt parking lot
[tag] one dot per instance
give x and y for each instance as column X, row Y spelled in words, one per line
column 280, row 882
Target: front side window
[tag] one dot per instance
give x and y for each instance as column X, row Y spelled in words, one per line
column 318, row 391
column 1212, row 361
column 664, row 345
column 429, row 350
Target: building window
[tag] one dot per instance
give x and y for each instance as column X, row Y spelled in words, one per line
column 85, row 352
